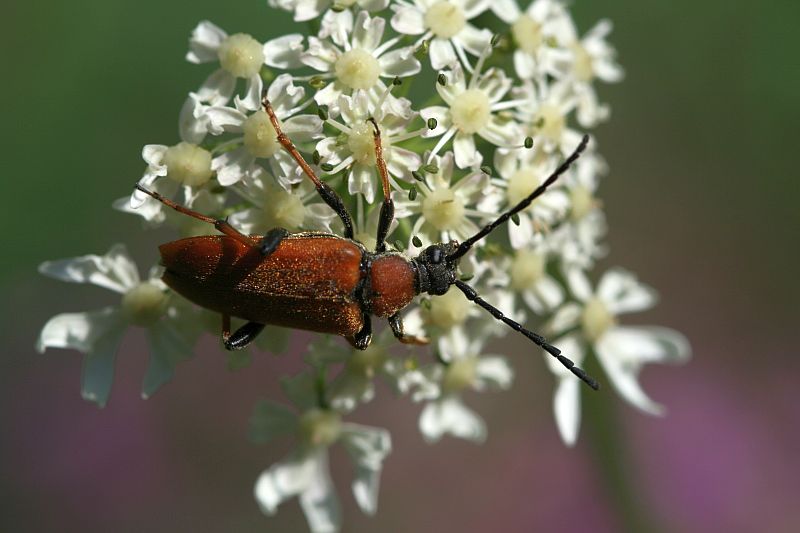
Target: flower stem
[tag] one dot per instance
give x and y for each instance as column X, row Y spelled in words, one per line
column 605, row 434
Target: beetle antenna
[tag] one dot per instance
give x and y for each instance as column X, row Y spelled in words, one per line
column 537, row 339
column 466, row 245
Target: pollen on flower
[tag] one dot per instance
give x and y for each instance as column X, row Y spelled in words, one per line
column 582, row 63
column 188, row 164
column 260, row 137
column 362, row 144
column 527, row 34
column 357, row 69
column 521, row 184
column 144, row 304
column 596, row 319
column 445, row 19
column 527, row 269
column 282, row 209
column 241, row 55
column 470, row 111
column 551, row 122
column 448, row 310
column 582, row 202
column 319, row 427
column 460, row 374
column 443, row 209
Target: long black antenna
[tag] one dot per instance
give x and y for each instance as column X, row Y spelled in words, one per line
column 472, row 296
column 466, row 245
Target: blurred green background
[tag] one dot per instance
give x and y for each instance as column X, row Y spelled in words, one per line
column 701, row 200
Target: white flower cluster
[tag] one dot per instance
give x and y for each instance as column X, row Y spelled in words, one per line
column 472, row 121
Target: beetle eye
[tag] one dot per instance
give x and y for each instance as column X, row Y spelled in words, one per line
column 435, row 255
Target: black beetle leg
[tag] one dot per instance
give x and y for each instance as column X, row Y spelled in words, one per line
column 242, row 336
column 270, row 241
column 396, row 323
column 363, row 338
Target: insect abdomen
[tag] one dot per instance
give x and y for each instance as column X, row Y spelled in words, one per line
column 308, row 282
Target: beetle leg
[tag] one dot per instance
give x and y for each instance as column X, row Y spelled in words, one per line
column 270, row 241
column 222, row 225
column 242, row 336
column 396, row 323
column 387, row 208
column 327, row 194
column 363, row 338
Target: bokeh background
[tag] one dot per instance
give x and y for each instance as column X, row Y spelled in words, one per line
column 702, row 202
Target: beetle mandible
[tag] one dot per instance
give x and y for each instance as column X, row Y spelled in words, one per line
column 323, row 282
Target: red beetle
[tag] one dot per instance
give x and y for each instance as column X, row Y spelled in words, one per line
column 320, row 281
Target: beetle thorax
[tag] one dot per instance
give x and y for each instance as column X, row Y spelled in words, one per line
column 435, row 273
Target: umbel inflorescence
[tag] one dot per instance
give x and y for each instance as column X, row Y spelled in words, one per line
column 472, row 120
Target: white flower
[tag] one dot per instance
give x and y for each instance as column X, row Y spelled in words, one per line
column 187, row 167
column 355, row 59
column 543, row 115
column 593, row 58
column 540, row 33
column 444, row 207
column 473, row 109
column 305, row 474
column 621, row 350
column 296, row 209
column 462, row 367
column 354, row 147
column 98, row 333
column 521, row 172
column 256, row 138
column 578, row 240
column 239, row 56
column 525, row 274
column 444, row 23
column 310, row 9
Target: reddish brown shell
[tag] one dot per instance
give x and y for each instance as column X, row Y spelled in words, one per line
column 309, row 282
column 392, row 283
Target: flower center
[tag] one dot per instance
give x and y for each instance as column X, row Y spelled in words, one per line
column 527, row 269
column 527, row 34
column 582, row 202
column 596, row 319
column 357, row 69
column 319, row 428
column 344, row 3
column 582, row 64
column 144, row 304
column 460, row 374
column 521, row 184
column 551, row 122
column 282, row 209
column 448, row 310
column 470, row 110
column 260, row 137
column 362, row 144
column 365, row 362
column 241, row 55
column 443, row 209
column 188, row 164
column 445, row 19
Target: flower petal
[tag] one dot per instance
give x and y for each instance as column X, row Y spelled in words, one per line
column 622, row 292
column 284, row 52
column 494, row 372
column 567, row 409
column 115, row 270
column 205, row 42
column 400, row 62
column 319, row 501
column 442, row 53
column 368, row 447
column 284, row 480
column 449, row 415
column 464, row 148
column 408, row 20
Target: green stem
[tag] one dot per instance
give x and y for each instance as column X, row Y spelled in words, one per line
column 610, row 453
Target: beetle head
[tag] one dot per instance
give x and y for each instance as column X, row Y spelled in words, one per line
column 435, row 272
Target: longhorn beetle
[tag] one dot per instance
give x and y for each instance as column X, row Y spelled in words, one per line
column 320, row 281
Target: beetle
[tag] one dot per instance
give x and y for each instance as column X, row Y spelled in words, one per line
column 324, row 282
